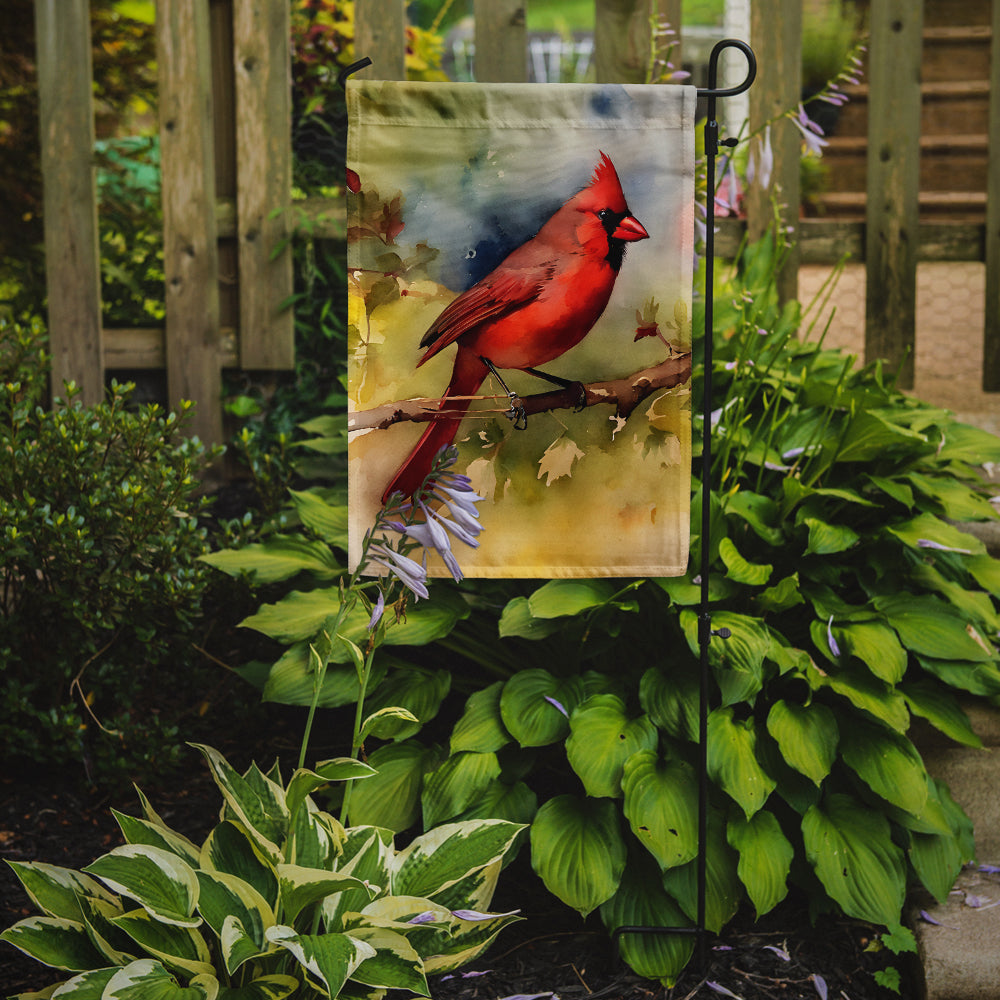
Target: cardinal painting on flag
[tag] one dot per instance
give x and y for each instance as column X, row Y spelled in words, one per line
column 519, row 275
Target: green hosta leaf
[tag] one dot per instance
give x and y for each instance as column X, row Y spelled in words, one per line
column 438, row 859
column 783, row 595
column 54, row 941
column 888, row 763
column 330, row 959
column 578, row 851
column 975, row 605
column 723, row 889
column 516, row 803
column 226, row 898
column 941, row 709
column 937, row 858
column 260, row 806
column 807, row 736
column 391, row 798
column 327, row 520
column 291, row 680
column 641, row 901
column 732, row 760
column 765, row 858
column 957, row 501
column 602, row 738
column 56, row 891
column 871, row 435
column 142, row 831
column 230, row 849
column 301, row 887
column 456, row 784
column 893, row 488
column 159, row 881
column 395, row 964
column 738, row 661
column 280, row 557
column 850, row 848
column 671, row 699
column 828, row 539
column 559, row 598
column 758, row 511
column 986, row 572
column 739, row 569
column 481, row 728
column 517, row 620
column 876, row 646
column 417, row 690
column 661, row 798
column 530, row 706
column 972, row 445
column 147, row 979
column 684, row 592
column 180, row 948
column 865, row 692
column 931, row 628
column 928, row 528
column 976, row 678
column 387, row 723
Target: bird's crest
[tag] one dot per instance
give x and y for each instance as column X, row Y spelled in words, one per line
column 606, row 185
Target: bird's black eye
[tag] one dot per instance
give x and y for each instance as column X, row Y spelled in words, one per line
column 603, row 213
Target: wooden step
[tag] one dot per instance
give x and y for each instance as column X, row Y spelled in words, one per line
column 945, row 104
column 958, row 206
column 956, row 53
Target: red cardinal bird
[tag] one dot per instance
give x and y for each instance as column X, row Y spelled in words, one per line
column 540, row 301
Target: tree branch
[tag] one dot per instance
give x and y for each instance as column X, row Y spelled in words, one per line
column 624, row 393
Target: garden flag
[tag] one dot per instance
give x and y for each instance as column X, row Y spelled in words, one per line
column 520, row 262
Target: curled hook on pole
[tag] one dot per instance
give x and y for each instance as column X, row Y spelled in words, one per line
column 347, row 71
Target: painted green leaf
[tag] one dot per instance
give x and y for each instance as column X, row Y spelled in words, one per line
column 559, row 598
column 327, row 520
column 765, row 858
column 888, row 763
column 732, row 760
column 55, row 890
column 601, row 739
column 670, row 699
column 330, row 958
column 54, row 941
column 577, row 850
column 177, row 947
column 827, row 539
column 535, row 706
column 936, row 704
column 159, row 881
column 932, row 628
column 807, row 736
column 661, row 799
column 850, row 848
column 439, row 858
column 391, row 798
column 147, row 979
column 641, row 901
column 456, row 784
column 481, row 728
column 280, row 557
column 739, row 569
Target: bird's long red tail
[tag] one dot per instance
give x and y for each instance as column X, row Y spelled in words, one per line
column 467, row 377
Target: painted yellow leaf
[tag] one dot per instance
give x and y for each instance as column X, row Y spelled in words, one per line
column 558, row 460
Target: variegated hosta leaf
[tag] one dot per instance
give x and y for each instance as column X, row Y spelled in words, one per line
column 225, row 897
column 158, row 880
column 54, row 941
column 602, row 737
column 230, row 849
column 661, row 799
column 732, row 760
column 256, row 801
column 765, row 858
column 147, row 979
column 481, row 727
column 273, row 987
column 86, row 986
column 578, row 851
column 850, row 847
column 441, row 857
column 300, row 887
column 329, row 959
column 475, row 891
column 141, row 831
column 177, row 947
column 56, row 891
column 367, row 853
column 456, row 784
column 642, row 902
column 315, row 838
column 468, row 939
column 395, row 964
column 116, row 946
column 807, row 736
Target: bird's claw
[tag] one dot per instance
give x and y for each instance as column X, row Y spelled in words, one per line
column 581, row 397
column 517, row 413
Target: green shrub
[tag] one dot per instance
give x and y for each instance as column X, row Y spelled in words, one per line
column 280, row 899
column 101, row 584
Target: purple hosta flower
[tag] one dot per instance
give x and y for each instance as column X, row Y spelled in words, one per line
column 465, row 975
column 727, row 197
column 831, row 642
column 820, row 984
column 410, row 573
column 927, row 543
column 558, row 705
column 475, row 915
column 761, row 163
column 780, row 952
column 812, row 134
column 377, row 612
column 719, row 988
column 989, row 869
column 427, row 917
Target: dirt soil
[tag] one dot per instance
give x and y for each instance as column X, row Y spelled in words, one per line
column 552, row 953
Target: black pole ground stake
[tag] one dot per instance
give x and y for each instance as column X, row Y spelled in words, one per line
column 705, row 632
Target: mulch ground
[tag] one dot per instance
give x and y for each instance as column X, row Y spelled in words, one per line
column 551, row 953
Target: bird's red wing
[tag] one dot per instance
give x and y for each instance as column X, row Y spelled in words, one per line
column 500, row 292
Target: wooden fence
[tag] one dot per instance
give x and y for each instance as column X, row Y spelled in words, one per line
column 226, row 161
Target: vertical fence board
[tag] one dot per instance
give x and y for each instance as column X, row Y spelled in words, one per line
column 72, row 257
column 621, row 40
column 380, row 34
column 190, row 254
column 776, row 34
column 991, row 332
column 261, row 58
column 892, row 215
column 501, row 41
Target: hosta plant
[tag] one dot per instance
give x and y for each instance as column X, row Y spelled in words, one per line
column 279, row 900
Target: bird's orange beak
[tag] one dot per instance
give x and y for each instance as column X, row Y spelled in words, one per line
column 630, row 229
